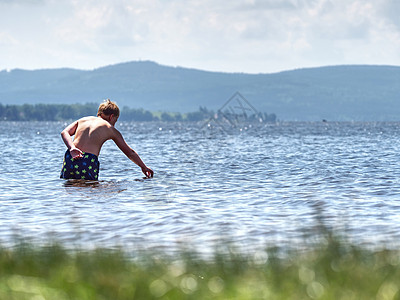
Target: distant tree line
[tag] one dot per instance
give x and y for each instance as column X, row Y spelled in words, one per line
column 62, row 112
column 45, row 112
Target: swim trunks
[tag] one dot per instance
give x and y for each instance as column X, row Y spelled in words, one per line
column 86, row 168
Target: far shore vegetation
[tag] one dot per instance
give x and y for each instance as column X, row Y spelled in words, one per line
column 64, row 112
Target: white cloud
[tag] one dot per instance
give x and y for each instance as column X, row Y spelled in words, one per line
column 6, row 40
column 227, row 35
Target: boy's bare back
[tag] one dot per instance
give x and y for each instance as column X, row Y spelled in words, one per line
column 91, row 133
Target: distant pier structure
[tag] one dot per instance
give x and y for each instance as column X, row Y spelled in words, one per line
column 236, row 113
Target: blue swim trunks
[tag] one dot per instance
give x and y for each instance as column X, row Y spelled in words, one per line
column 86, row 168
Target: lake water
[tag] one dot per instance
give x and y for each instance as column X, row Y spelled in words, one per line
column 264, row 185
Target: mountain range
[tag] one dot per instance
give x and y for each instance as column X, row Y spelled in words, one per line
column 334, row 93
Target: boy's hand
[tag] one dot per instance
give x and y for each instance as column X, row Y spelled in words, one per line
column 76, row 153
column 148, row 172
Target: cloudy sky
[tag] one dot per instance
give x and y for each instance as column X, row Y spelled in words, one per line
column 252, row 36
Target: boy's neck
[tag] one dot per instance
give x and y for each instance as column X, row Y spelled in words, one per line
column 107, row 118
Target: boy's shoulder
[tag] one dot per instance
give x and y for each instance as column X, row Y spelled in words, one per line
column 93, row 121
column 88, row 118
column 96, row 123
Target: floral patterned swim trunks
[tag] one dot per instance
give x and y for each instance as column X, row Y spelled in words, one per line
column 86, row 168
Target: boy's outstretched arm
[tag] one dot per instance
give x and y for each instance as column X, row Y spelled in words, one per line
column 130, row 153
column 66, row 135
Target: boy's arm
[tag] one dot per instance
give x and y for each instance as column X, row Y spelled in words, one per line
column 130, row 153
column 66, row 135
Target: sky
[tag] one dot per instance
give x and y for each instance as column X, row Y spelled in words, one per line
column 249, row 36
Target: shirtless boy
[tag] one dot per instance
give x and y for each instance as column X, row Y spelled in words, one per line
column 80, row 160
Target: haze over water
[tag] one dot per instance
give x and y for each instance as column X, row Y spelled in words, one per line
column 265, row 185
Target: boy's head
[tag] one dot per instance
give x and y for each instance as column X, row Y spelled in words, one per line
column 108, row 108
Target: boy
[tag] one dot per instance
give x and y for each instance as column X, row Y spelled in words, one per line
column 80, row 160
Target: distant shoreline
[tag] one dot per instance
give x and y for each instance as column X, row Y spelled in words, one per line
column 65, row 112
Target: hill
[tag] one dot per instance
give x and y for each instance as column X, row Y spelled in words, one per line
column 342, row 93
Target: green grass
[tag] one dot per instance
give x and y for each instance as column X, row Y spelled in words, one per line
column 330, row 270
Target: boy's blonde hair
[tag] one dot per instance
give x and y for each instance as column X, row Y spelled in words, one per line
column 108, row 108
